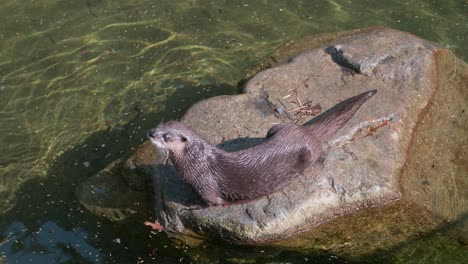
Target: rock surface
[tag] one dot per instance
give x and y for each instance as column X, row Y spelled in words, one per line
column 408, row 144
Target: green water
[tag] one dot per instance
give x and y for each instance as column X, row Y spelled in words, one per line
column 82, row 81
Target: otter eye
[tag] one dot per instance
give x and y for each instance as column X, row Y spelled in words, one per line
column 183, row 139
column 167, row 137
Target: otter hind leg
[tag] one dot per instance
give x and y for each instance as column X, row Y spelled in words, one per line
column 212, row 198
column 305, row 159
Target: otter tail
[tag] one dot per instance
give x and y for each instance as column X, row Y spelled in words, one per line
column 330, row 121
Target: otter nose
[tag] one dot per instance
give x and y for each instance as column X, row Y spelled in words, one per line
column 151, row 133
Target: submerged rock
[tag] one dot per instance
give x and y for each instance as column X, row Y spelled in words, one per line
column 107, row 194
column 408, row 144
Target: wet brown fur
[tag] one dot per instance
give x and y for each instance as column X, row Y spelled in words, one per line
column 222, row 177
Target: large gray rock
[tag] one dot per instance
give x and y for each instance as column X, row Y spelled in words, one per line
column 407, row 144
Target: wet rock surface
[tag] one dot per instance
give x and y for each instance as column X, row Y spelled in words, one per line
column 405, row 147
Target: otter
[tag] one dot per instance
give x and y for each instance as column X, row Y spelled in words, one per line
column 224, row 178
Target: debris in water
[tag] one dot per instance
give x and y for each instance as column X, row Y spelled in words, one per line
column 155, row 225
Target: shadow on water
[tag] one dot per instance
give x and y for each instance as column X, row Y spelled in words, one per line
column 48, row 224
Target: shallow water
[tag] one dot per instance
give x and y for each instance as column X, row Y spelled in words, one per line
column 81, row 82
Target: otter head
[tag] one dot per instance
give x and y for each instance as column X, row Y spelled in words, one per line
column 171, row 136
